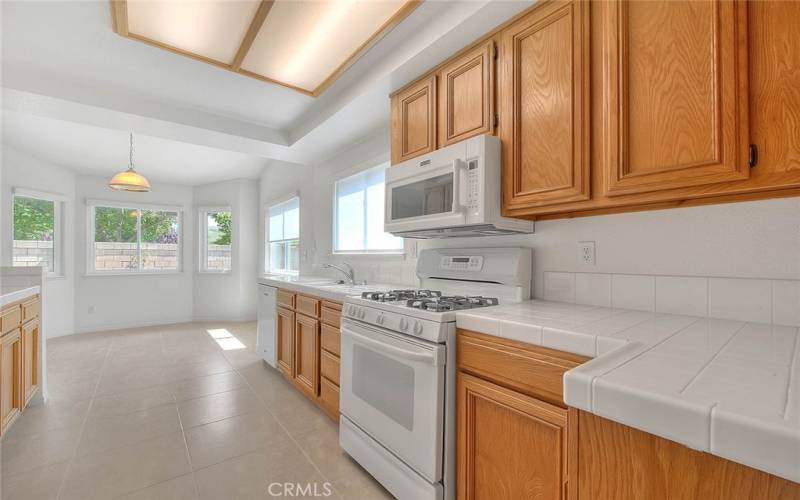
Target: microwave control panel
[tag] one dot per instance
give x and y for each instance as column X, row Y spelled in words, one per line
column 462, row 263
column 473, row 181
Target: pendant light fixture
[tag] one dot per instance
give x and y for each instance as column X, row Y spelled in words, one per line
column 129, row 180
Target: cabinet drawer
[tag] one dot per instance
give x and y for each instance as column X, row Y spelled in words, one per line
column 532, row 370
column 10, row 318
column 31, row 309
column 329, row 366
column 331, row 339
column 331, row 316
column 329, row 398
column 286, row 299
column 307, row 305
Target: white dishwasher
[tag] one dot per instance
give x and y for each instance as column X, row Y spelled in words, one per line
column 265, row 342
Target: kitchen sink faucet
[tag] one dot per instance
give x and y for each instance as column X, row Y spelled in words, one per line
column 349, row 274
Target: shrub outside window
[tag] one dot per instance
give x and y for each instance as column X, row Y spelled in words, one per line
column 216, row 240
column 37, row 237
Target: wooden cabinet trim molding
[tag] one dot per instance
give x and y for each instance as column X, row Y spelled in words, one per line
column 11, row 400
column 307, row 305
column 725, row 156
column 10, row 318
column 306, row 354
column 532, row 370
column 286, row 298
column 284, row 333
column 475, row 101
column 31, row 339
column 556, row 166
column 31, row 309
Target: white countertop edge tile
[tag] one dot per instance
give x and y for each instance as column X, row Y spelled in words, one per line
column 21, row 293
column 310, row 285
column 766, row 445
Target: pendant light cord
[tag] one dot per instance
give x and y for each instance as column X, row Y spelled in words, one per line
column 130, row 161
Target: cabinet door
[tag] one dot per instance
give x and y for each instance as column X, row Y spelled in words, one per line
column 414, row 120
column 544, row 107
column 466, row 96
column 676, row 111
column 510, row 446
column 30, row 359
column 10, row 378
column 306, row 348
column 285, row 337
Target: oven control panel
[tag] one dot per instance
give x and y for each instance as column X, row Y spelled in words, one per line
column 461, row 263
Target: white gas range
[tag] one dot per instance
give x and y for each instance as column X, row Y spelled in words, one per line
column 398, row 366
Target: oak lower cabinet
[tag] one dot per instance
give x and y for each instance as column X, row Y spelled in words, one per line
column 30, row 357
column 11, row 399
column 544, row 106
column 414, row 120
column 308, row 347
column 515, row 435
column 306, row 354
column 20, row 352
column 284, row 333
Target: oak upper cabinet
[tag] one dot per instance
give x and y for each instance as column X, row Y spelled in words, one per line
column 511, row 446
column 306, row 362
column 30, row 359
column 284, row 332
column 676, row 94
column 414, row 120
column 544, row 126
column 11, row 402
column 466, row 95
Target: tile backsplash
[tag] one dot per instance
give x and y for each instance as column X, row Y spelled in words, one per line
column 744, row 299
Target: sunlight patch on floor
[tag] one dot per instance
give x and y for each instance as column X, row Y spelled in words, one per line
column 225, row 339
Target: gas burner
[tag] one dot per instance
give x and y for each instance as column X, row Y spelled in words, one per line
column 451, row 303
column 398, row 295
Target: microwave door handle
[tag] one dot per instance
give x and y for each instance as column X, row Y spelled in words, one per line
column 431, row 358
column 458, row 167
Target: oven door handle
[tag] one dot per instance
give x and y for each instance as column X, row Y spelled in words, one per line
column 432, row 358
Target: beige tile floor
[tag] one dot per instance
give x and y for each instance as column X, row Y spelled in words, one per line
column 166, row 413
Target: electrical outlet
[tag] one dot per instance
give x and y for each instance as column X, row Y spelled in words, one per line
column 586, row 253
column 413, row 249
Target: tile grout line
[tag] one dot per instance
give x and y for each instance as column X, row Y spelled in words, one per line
column 711, row 360
column 74, row 453
column 792, row 377
column 291, row 437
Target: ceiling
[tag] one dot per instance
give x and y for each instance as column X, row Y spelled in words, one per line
column 73, row 90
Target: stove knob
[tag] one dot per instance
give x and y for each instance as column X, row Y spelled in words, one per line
column 403, row 324
column 417, row 328
column 380, row 319
column 361, row 312
column 350, row 310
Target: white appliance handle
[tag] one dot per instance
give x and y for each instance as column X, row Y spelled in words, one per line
column 458, row 167
column 430, row 358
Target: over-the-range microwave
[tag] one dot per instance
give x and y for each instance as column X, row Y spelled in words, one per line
column 451, row 192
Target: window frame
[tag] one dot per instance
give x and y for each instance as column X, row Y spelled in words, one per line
column 384, row 164
column 59, row 208
column 202, row 218
column 267, row 241
column 91, row 204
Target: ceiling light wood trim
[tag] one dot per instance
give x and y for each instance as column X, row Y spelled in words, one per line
column 388, row 26
column 255, row 26
column 119, row 17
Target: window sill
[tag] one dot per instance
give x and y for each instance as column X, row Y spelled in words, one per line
column 54, row 277
column 215, row 272
column 137, row 273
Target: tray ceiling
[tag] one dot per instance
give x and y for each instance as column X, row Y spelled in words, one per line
column 301, row 44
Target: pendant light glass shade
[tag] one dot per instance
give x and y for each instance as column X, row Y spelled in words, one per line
column 129, row 180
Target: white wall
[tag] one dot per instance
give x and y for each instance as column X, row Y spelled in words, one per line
column 122, row 301
column 20, row 170
column 758, row 239
column 315, row 186
column 231, row 295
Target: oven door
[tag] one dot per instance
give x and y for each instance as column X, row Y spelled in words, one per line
column 392, row 387
column 425, row 198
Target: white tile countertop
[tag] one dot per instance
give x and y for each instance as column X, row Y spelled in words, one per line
column 326, row 288
column 729, row 388
column 10, row 294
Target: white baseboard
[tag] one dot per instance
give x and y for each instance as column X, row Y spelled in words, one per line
column 132, row 324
